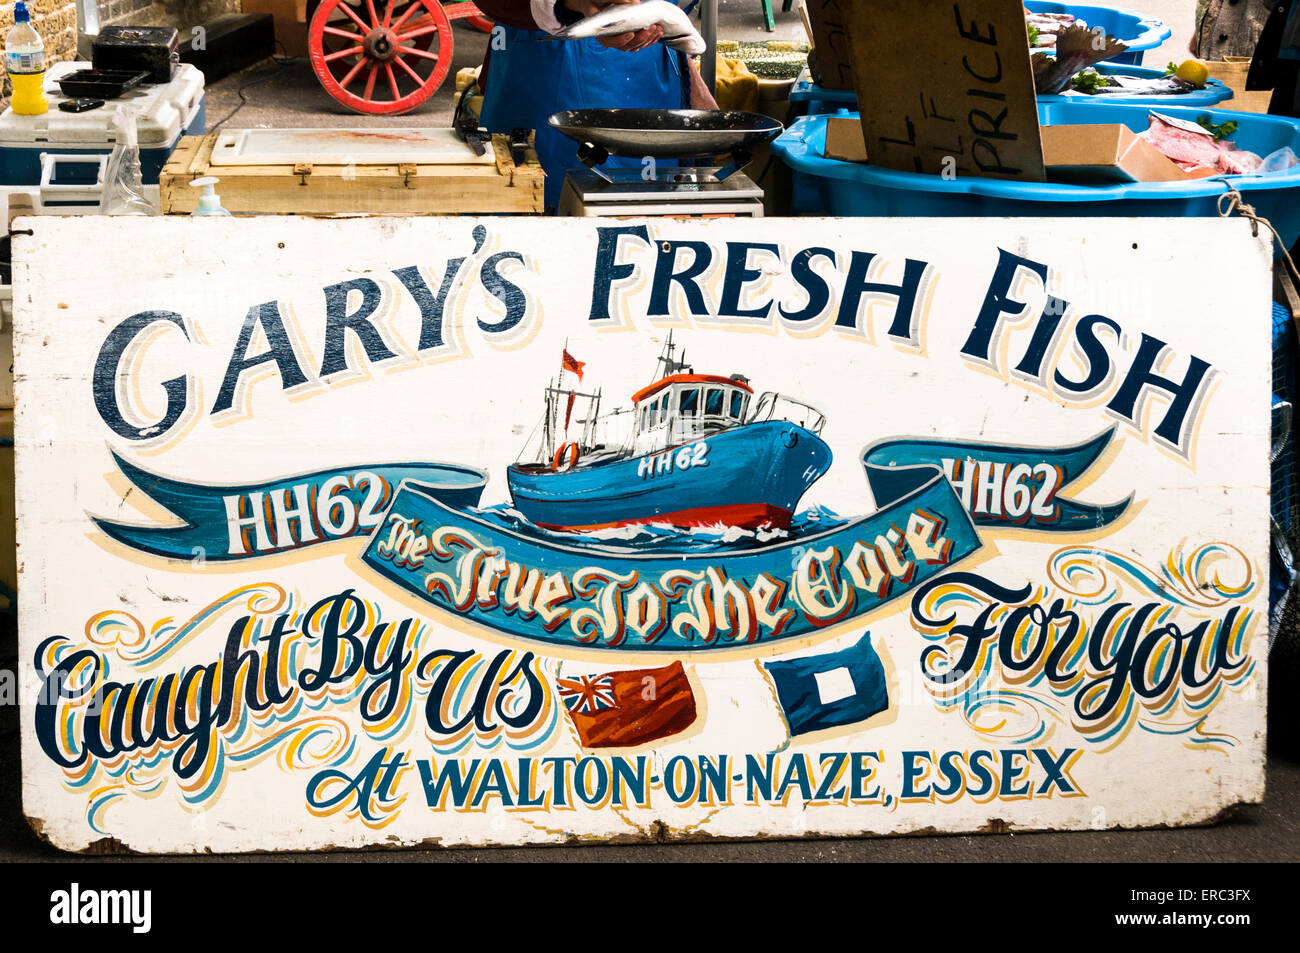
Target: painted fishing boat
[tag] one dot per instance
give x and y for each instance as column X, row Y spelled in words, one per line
column 702, row 451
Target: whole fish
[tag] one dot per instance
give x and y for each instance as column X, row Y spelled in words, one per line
column 1076, row 48
column 631, row 17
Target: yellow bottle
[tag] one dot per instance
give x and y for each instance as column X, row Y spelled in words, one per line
column 25, row 61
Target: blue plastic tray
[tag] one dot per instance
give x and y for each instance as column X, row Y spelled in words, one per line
column 821, row 100
column 824, row 186
column 1215, row 91
column 1139, row 33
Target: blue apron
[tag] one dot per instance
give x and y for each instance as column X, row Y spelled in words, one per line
column 533, row 77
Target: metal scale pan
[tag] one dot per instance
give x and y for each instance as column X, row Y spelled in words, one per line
column 666, row 134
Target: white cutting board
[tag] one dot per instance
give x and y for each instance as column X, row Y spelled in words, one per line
column 423, row 146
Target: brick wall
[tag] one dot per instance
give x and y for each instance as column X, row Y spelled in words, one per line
column 56, row 22
column 182, row 14
column 132, row 12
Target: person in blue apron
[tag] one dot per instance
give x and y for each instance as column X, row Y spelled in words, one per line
column 530, row 75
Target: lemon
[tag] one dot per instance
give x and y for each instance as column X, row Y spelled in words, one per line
column 1194, row 72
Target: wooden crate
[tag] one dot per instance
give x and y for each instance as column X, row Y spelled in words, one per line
column 306, row 189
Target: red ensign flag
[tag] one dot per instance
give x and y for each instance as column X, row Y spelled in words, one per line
column 571, row 363
column 626, row 709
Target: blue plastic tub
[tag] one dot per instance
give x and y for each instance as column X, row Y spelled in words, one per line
column 821, row 100
column 824, row 186
column 1139, row 33
column 1215, row 91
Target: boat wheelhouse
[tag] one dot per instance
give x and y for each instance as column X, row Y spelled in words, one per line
column 701, row 450
column 683, row 407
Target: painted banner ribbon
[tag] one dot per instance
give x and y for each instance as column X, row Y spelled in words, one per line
column 675, row 593
column 546, row 590
column 1005, row 485
column 258, row 519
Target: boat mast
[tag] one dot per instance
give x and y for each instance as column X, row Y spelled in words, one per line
column 671, row 366
column 589, row 425
column 548, row 427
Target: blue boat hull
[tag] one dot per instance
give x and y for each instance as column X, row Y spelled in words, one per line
column 747, row 476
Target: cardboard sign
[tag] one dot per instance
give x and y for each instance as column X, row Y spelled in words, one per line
column 946, row 88
column 396, row 531
column 830, row 37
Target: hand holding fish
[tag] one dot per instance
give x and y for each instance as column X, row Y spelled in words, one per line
column 633, row 25
column 631, row 42
column 628, row 42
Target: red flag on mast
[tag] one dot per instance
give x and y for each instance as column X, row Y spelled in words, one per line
column 571, row 363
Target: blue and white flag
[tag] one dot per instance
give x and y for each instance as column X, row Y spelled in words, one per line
column 826, row 691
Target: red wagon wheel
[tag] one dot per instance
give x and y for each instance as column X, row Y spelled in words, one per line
column 377, row 61
column 468, row 12
column 464, row 10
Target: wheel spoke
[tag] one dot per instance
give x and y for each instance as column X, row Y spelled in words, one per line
column 352, row 73
column 410, row 31
column 420, row 32
column 402, row 19
column 329, row 57
column 409, row 72
column 365, row 27
column 414, row 52
column 422, row 23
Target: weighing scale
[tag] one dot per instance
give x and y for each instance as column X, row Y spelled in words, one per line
column 693, row 184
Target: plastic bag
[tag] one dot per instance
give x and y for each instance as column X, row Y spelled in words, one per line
column 125, row 184
column 1280, row 160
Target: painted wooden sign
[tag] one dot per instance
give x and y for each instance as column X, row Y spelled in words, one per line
column 458, row 531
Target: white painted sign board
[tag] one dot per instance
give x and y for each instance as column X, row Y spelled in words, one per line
column 508, row 531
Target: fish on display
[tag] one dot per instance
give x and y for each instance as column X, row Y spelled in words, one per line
column 1052, row 22
column 631, row 17
column 1136, row 86
column 1076, row 49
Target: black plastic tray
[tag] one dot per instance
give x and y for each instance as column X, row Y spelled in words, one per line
column 101, row 83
